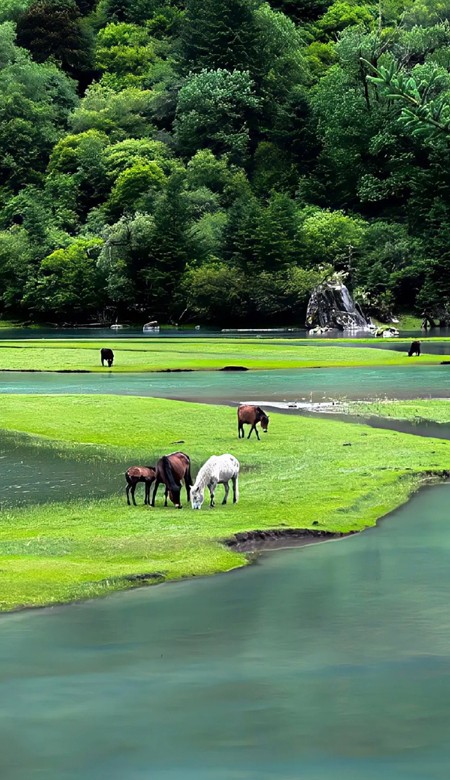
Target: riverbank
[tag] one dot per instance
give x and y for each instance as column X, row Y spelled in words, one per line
column 305, row 473
column 433, row 410
column 144, row 355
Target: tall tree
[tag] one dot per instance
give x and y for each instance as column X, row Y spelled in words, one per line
column 219, row 34
column 52, row 29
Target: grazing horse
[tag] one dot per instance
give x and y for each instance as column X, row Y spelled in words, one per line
column 218, row 470
column 251, row 415
column 414, row 349
column 107, row 355
column 170, row 470
column 135, row 474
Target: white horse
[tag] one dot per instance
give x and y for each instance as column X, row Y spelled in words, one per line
column 218, row 469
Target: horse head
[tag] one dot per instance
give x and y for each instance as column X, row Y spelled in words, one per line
column 264, row 423
column 197, row 497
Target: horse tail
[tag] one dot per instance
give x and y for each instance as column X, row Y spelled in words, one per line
column 128, row 478
column 187, row 474
column 167, row 470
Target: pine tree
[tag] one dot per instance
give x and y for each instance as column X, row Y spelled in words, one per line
column 219, row 34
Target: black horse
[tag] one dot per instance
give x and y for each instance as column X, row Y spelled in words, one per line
column 414, row 349
column 107, row 355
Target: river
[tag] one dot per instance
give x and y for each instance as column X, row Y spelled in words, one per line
column 330, row 662
column 314, row 384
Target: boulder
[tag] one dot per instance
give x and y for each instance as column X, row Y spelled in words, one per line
column 332, row 306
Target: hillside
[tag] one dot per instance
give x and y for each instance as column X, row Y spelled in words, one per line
column 212, row 160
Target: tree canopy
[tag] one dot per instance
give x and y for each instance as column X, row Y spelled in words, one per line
column 215, row 159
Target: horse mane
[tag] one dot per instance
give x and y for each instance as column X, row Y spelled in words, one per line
column 261, row 411
column 167, row 470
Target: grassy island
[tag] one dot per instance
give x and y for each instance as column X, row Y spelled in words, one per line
column 308, row 473
column 138, row 355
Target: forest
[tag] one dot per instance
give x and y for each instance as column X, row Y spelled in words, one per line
column 213, row 160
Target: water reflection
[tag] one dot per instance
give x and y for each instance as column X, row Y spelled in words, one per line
column 328, row 662
column 33, row 474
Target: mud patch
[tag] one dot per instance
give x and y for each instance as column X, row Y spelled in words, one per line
column 273, row 539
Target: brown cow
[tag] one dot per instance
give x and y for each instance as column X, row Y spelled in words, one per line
column 135, row 474
column 251, row 415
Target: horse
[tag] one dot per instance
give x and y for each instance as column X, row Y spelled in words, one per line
column 135, row 474
column 218, row 470
column 107, row 355
column 170, row 470
column 414, row 349
column 251, row 415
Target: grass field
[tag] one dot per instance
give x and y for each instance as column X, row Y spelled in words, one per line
column 305, row 471
column 423, row 409
column 135, row 355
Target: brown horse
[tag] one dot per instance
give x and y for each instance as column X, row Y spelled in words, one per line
column 251, row 415
column 135, row 474
column 170, row 470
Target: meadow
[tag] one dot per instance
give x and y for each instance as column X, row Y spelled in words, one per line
column 437, row 410
column 140, row 355
column 305, row 473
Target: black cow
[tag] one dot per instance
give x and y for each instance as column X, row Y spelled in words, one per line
column 414, row 349
column 107, row 355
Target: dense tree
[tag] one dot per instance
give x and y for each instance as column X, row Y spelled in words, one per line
column 219, row 34
column 52, row 29
column 215, row 110
column 228, row 156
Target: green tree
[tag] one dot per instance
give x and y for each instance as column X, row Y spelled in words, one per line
column 67, row 284
column 215, row 110
column 219, row 35
column 52, row 29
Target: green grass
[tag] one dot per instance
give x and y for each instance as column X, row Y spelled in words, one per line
column 138, row 355
column 299, row 474
column 416, row 410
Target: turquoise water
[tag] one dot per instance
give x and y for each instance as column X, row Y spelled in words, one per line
column 302, row 384
column 330, row 662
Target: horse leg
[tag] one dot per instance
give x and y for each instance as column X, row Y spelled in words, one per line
column 235, row 489
column 212, row 489
column 133, row 490
column 166, row 493
column 227, row 490
column 157, row 484
column 241, row 433
column 128, row 494
column 147, row 485
column 253, row 428
column 256, row 431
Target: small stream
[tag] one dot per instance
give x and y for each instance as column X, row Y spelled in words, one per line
column 330, row 662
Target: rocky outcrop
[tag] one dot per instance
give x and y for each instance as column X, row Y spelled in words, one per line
column 332, row 306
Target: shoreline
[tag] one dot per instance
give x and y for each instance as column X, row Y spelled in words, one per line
column 253, row 544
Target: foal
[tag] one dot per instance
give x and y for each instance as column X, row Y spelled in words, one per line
column 135, row 474
column 251, row 415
